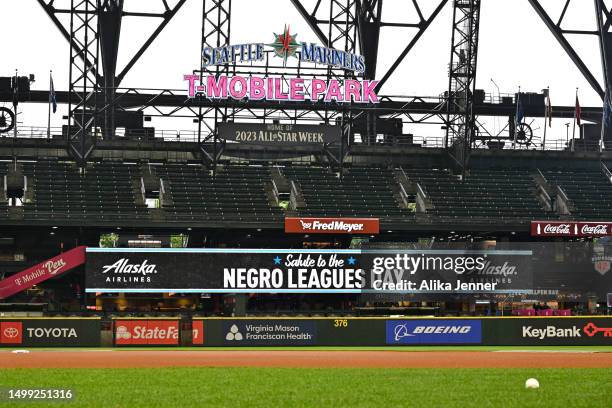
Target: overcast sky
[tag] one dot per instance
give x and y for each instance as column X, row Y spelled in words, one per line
column 515, row 48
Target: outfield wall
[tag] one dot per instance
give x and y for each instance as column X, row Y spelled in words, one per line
column 503, row 331
column 50, row 332
column 304, row 331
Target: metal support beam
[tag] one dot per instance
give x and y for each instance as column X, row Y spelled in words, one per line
column 311, row 20
column 423, row 26
column 461, row 120
column 558, row 33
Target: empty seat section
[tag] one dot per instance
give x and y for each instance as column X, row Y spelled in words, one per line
column 486, row 195
column 104, row 191
column 236, row 193
column 362, row 192
column 589, row 191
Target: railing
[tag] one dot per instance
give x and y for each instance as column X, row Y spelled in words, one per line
column 606, row 171
column 294, row 196
column 563, row 205
column 405, row 140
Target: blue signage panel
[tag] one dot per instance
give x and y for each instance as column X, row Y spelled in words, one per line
column 438, row 331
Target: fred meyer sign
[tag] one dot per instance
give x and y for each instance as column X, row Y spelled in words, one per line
column 332, row 225
column 275, row 133
column 570, row 229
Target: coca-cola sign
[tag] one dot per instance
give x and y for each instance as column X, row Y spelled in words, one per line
column 570, row 229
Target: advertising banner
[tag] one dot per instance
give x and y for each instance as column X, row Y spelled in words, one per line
column 309, row 225
column 570, row 229
column 443, row 271
column 279, row 133
column 146, row 332
column 570, row 331
column 41, row 272
column 434, row 331
column 409, row 331
column 50, row 332
column 237, row 332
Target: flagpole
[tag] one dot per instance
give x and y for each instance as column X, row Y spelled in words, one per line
column 546, row 115
column 574, row 126
column 49, row 108
column 603, row 120
column 518, row 95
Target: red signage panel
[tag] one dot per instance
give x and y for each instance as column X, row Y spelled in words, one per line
column 42, row 271
column 570, row 229
column 147, row 332
column 316, row 225
column 197, row 332
column 11, row 333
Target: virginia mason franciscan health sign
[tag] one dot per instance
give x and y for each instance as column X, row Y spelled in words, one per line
column 282, row 88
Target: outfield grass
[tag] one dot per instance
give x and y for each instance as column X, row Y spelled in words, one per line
column 281, row 387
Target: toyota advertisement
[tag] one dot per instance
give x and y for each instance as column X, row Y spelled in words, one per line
column 47, row 332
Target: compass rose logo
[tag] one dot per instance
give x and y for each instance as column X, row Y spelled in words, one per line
column 285, row 45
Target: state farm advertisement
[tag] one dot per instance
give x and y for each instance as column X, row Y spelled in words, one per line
column 47, row 332
column 332, row 225
column 570, row 229
column 45, row 270
column 146, row 332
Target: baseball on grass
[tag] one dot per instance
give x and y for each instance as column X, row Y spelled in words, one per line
column 532, row 383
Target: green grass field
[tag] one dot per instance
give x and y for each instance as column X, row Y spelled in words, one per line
column 276, row 387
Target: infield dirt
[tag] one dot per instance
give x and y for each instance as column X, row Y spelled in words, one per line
column 311, row 359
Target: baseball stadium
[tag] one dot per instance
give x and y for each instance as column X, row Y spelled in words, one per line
column 306, row 203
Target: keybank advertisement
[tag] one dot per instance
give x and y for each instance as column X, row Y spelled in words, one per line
column 450, row 271
column 434, row 331
column 45, row 332
column 550, row 331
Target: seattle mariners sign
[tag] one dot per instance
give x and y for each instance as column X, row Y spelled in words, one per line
column 281, row 88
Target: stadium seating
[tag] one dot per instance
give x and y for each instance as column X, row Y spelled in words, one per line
column 485, row 195
column 362, row 192
column 107, row 190
column 589, row 191
column 236, row 193
column 104, row 192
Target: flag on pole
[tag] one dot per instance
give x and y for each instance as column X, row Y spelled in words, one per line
column 52, row 99
column 520, row 113
column 578, row 112
column 549, row 110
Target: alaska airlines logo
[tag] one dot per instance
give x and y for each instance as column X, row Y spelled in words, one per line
column 123, row 265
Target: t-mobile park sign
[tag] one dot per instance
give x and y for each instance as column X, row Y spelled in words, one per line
column 282, row 88
column 570, row 229
column 332, row 225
